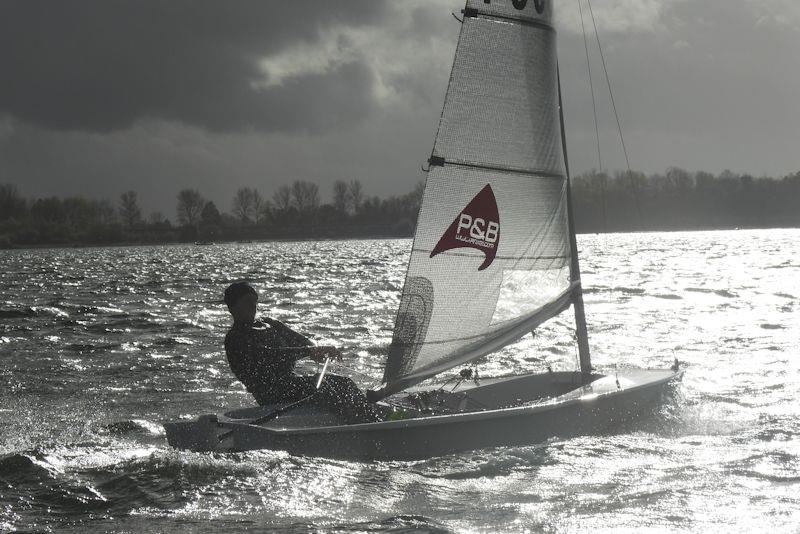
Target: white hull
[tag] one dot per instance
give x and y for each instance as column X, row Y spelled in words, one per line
column 510, row 411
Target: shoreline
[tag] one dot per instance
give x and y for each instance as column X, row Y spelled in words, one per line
column 306, row 238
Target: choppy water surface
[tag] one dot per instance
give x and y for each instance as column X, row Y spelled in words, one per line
column 99, row 346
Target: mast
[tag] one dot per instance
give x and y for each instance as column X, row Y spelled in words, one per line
column 574, row 266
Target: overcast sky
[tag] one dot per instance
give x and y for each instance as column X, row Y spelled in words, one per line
column 101, row 96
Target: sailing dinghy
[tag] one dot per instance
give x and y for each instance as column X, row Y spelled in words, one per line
column 494, row 256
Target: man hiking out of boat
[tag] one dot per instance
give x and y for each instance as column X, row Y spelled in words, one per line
column 262, row 354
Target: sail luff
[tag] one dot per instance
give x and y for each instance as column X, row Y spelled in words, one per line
column 407, row 280
column 584, row 353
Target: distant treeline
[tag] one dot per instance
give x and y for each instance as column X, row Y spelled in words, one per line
column 294, row 212
column 680, row 200
column 626, row 201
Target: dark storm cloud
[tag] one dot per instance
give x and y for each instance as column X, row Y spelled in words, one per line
column 710, row 86
column 101, row 65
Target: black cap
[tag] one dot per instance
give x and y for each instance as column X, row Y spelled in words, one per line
column 236, row 291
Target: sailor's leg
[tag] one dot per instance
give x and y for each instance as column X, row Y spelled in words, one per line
column 290, row 388
column 342, row 395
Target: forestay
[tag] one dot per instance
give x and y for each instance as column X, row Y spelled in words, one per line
column 491, row 254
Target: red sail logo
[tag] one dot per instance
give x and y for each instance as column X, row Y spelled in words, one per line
column 477, row 226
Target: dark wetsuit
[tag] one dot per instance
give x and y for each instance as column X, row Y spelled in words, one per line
column 263, row 354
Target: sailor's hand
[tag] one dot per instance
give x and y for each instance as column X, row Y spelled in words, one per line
column 320, row 354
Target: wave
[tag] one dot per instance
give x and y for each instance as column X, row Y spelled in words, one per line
column 17, row 314
column 44, row 490
column 122, row 324
column 172, row 341
column 41, row 489
column 773, row 466
column 785, row 265
column 15, row 468
column 134, row 426
column 398, row 524
column 486, row 464
column 667, row 296
column 288, row 279
column 41, row 485
column 32, row 311
column 84, row 348
column 720, row 292
column 628, row 290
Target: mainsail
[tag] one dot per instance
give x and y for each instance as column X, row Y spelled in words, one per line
column 491, row 255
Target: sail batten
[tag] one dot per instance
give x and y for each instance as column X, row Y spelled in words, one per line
column 500, row 258
column 532, row 172
column 500, row 18
column 491, row 256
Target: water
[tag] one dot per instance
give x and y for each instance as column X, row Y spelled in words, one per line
column 99, row 346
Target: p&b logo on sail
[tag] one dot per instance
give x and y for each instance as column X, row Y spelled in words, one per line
column 477, row 226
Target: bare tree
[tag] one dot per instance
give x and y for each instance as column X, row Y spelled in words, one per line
column 11, row 204
column 282, row 198
column 356, row 194
column 312, row 195
column 129, row 208
column 305, row 196
column 210, row 214
column 340, row 196
column 156, row 217
column 190, row 206
column 298, row 195
column 105, row 212
column 415, row 196
column 679, row 179
column 260, row 207
column 265, row 211
column 244, row 204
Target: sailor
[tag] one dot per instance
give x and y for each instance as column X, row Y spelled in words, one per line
column 262, row 354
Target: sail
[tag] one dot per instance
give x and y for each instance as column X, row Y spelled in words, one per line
column 491, row 254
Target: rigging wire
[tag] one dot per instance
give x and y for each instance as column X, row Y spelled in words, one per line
column 616, row 115
column 608, row 82
column 591, row 88
column 596, row 122
column 352, row 371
